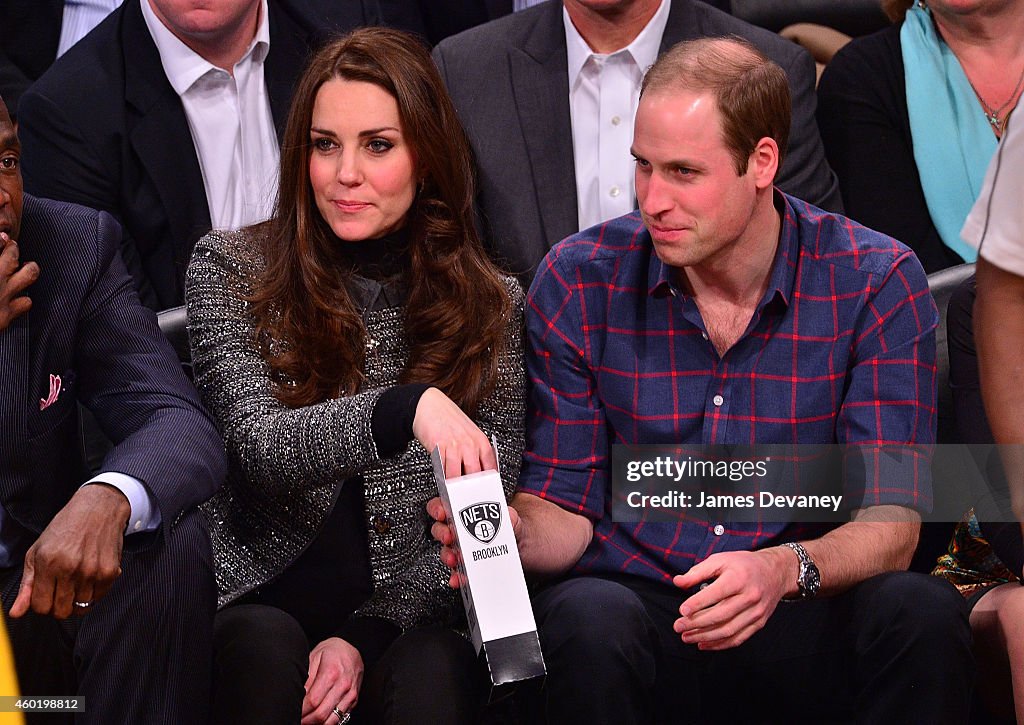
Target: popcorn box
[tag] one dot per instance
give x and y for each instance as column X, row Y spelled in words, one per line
column 494, row 589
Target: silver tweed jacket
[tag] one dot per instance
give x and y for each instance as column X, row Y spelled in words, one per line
column 287, row 465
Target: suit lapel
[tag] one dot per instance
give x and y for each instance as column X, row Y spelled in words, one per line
column 15, row 397
column 289, row 52
column 540, row 85
column 682, row 24
column 159, row 135
column 50, row 35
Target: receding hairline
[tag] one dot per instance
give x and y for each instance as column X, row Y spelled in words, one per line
column 750, row 91
column 678, row 68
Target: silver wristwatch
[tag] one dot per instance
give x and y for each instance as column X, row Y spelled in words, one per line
column 808, row 581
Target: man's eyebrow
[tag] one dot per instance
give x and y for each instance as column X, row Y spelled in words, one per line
column 9, row 140
column 671, row 163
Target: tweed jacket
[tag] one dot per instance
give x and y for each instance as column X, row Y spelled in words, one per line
column 287, row 465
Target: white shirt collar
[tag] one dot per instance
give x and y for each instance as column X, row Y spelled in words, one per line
column 643, row 50
column 107, row 6
column 182, row 65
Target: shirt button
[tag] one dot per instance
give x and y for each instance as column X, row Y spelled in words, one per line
column 613, row 192
column 616, row 120
column 381, row 525
column 138, row 525
column 719, row 529
column 718, row 400
column 704, row 335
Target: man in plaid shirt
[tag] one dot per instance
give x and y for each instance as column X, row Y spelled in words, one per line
column 727, row 312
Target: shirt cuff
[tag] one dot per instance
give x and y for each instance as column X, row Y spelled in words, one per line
column 391, row 424
column 145, row 514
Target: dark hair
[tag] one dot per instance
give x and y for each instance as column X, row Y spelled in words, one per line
column 309, row 330
column 751, row 92
column 897, row 9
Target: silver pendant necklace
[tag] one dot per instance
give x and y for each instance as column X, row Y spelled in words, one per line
column 995, row 117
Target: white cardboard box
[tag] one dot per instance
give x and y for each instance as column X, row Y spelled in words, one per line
column 494, row 590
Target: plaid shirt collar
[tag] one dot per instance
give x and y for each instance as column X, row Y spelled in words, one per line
column 662, row 276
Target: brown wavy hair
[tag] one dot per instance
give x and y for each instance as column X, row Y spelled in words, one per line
column 308, row 328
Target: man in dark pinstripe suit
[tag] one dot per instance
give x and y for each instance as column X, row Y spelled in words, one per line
column 108, row 585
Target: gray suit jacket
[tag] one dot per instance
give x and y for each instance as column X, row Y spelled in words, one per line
column 509, row 81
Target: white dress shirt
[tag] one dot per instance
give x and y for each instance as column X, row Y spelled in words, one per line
column 603, row 93
column 231, row 123
column 81, row 16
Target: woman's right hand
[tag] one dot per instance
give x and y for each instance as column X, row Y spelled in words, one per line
column 464, row 447
column 335, row 675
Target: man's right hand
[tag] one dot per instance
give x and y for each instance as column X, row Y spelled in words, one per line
column 13, row 281
column 442, row 532
column 77, row 558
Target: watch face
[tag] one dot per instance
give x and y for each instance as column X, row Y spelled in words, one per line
column 811, row 580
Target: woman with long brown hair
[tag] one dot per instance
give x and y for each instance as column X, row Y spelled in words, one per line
column 337, row 344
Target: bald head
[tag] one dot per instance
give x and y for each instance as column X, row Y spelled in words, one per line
column 751, row 91
column 10, row 176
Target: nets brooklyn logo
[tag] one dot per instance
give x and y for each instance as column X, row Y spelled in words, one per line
column 482, row 520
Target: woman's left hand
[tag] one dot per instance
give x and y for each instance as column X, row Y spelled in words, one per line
column 335, row 675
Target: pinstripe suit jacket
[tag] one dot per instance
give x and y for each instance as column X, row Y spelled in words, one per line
column 87, row 326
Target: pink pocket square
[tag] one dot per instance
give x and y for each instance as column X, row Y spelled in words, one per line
column 50, row 399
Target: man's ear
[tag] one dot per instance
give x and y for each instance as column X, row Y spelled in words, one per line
column 764, row 162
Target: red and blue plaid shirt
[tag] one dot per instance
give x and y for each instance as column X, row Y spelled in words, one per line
column 841, row 349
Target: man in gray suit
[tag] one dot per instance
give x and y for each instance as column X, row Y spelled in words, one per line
column 548, row 95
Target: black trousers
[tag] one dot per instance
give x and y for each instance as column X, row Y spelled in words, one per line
column 427, row 675
column 143, row 653
column 896, row 648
